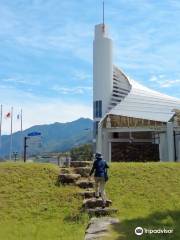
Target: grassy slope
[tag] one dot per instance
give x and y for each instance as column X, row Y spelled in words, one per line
column 147, row 195
column 32, row 207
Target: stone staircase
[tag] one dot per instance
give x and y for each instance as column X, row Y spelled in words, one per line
column 77, row 175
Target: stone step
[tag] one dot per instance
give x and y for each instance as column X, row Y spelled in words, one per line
column 85, row 183
column 66, row 170
column 83, row 171
column 99, row 228
column 94, row 203
column 101, row 211
column 87, row 194
column 66, row 178
column 76, row 164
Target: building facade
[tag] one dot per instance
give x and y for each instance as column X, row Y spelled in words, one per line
column 131, row 121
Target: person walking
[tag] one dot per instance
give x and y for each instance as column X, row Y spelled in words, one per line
column 100, row 167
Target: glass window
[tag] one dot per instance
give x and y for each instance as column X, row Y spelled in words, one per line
column 97, row 111
column 95, row 128
column 100, row 108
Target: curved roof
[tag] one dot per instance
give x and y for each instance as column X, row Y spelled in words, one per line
column 142, row 102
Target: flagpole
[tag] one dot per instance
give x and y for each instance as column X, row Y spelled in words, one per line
column 1, row 128
column 11, row 140
column 21, row 122
column 21, row 134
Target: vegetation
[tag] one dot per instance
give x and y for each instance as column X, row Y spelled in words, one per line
column 82, row 153
column 146, row 195
column 177, row 116
column 34, row 207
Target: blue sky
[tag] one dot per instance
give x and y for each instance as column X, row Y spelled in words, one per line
column 46, row 52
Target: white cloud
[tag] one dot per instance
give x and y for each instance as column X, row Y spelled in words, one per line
column 72, row 90
column 170, row 83
column 54, row 111
column 37, row 33
column 20, row 80
column 40, row 110
column 162, row 81
column 69, row 40
column 81, row 75
column 153, row 79
column 162, row 76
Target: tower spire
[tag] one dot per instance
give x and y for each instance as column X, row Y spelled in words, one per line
column 103, row 18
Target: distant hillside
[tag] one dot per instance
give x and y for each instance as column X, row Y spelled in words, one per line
column 55, row 137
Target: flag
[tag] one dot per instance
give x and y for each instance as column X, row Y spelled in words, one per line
column 8, row 115
column 18, row 116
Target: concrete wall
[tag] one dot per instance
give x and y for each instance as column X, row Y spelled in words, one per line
column 166, row 144
column 167, row 147
column 163, row 150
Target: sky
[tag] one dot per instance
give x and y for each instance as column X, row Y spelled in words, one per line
column 46, row 53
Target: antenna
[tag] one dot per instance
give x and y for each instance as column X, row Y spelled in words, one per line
column 103, row 18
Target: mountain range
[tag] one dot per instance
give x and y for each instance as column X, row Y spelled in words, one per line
column 56, row 137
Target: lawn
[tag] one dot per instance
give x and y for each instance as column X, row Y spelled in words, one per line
column 148, row 196
column 34, row 207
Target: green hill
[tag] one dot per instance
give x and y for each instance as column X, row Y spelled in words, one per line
column 34, row 207
column 56, row 137
column 148, row 196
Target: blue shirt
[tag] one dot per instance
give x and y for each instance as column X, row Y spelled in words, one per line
column 99, row 166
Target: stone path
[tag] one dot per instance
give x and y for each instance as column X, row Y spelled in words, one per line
column 77, row 175
column 99, row 228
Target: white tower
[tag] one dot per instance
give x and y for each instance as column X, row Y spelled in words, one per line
column 102, row 73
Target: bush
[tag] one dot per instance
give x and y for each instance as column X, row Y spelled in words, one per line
column 82, row 153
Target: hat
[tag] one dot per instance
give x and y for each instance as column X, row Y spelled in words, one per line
column 98, row 155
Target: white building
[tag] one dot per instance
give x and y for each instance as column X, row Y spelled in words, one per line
column 131, row 121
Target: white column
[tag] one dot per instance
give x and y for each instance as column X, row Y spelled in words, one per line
column 102, row 67
column 178, row 150
column 105, row 145
column 170, row 142
column 99, row 140
column 163, row 153
column 178, row 147
column 109, row 160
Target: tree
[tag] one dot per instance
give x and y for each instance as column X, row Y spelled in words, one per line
column 82, row 153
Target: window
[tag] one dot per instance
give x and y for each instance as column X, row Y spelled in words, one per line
column 97, row 109
column 95, row 129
